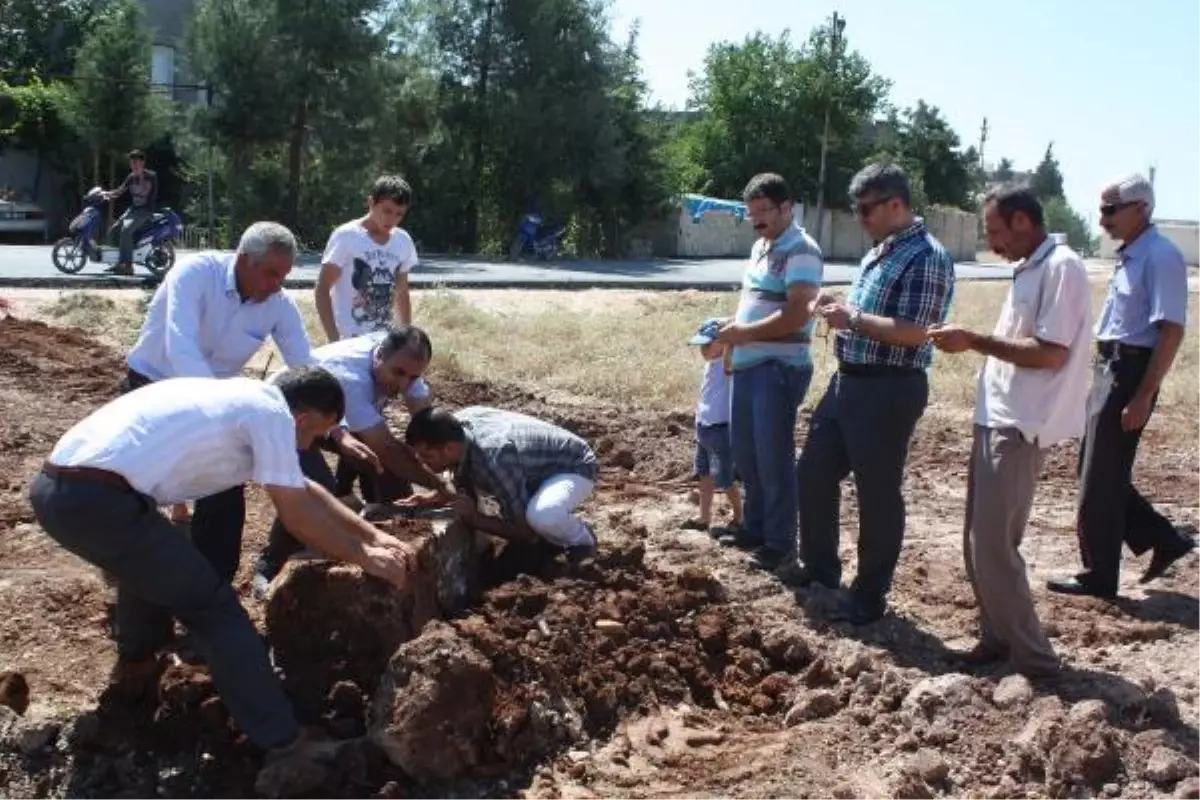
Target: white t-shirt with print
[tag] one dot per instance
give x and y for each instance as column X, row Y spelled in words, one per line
column 362, row 295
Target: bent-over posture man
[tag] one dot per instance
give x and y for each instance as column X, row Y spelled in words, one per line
column 98, row 496
column 537, row 472
column 371, row 369
column 1031, row 394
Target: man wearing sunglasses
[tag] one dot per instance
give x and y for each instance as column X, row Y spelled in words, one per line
column 1140, row 329
column 865, row 420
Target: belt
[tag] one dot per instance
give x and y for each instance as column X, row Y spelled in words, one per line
column 89, row 474
column 877, row 370
column 1115, row 351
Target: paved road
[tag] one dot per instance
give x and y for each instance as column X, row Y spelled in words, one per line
column 31, row 266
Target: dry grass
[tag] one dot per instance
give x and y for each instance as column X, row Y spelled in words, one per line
column 618, row 345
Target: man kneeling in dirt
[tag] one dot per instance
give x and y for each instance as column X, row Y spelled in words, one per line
column 371, row 369
column 98, row 496
column 537, row 472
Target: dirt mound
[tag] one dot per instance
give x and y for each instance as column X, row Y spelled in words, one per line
column 561, row 657
column 63, row 360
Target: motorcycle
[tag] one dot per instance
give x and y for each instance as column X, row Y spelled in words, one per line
column 153, row 247
column 537, row 239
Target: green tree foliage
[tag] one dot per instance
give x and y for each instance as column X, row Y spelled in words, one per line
column 1047, row 178
column 42, row 36
column 762, row 105
column 111, row 107
column 922, row 141
column 1004, row 171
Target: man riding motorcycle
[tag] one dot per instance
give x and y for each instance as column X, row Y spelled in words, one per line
column 142, row 186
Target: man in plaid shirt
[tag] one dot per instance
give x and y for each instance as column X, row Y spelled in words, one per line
column 866, row 418
column 537, row 472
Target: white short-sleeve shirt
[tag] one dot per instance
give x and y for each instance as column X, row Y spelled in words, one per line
column 187, row 438
column 362, row 295
column 350, row 361
column 1051, row 300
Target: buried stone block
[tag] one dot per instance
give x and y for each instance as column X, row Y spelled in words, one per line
column 329, row 622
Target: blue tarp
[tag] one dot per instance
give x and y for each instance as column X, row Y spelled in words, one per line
column 698, row 205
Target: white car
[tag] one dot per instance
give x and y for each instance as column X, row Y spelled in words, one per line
column 22, row 217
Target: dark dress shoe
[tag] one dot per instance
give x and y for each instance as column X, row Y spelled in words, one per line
column 741, row 538
column 770, row 559
column 860, row 610
column 796, row 574
column 978, row 656
column 1163, row 560
column 1074, row 585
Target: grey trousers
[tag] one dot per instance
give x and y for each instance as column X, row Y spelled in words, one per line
column 130, row 222
column 1001, row 481
column 124, row 534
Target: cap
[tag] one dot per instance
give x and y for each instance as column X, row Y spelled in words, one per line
column 1135, row 189
column 707, row 332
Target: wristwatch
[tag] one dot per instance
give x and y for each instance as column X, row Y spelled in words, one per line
column 855, row 320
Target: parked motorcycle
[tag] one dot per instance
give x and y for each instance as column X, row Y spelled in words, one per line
column 536, row 239
column 153, row 248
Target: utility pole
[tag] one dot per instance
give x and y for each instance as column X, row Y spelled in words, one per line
column 837, row 25
column 210, row 237
column 982, row 142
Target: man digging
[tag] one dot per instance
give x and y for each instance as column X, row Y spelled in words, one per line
column 537, row 472
column 98, row 496
column 371, row 369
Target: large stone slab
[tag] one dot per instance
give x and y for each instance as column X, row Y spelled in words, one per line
column 328, row 622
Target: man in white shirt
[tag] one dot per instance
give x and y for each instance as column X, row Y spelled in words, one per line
column 1031, row 395
column 363, row 285
column 372, row 369
column 207, row 319
column 179, row 440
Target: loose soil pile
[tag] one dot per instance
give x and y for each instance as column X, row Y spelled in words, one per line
column 666, row 667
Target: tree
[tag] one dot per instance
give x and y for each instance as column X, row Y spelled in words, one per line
column 111, row 106
column 922, row 141
column 1004, row 171
column 1047, row 179
column 1061, row 218
column 763, row 104
column 41, row 37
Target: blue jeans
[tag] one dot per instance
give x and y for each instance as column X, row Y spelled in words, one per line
column 714, row 456
column 766, row 399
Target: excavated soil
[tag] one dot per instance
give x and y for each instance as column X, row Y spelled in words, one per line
column 665, row 667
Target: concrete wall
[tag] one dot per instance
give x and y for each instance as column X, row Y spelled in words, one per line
column 842, row 238
column 1185, row 235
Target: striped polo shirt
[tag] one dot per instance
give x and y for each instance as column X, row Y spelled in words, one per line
column 775, row 266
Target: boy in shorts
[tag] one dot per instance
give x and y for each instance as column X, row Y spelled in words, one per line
column 714, row 455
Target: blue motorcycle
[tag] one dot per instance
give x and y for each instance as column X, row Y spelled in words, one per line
column 153, row 248
column 536, row 239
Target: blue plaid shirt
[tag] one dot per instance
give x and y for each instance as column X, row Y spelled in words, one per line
column 908, row 276
column 510, row 455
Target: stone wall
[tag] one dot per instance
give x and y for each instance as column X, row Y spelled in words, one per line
column 842, row 238
column 1185, row 235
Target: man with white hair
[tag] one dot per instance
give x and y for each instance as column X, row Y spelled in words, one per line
column 207, row 319
column 1138, row 334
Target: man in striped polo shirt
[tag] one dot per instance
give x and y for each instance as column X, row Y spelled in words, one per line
column 864, row 422
column 771, row 367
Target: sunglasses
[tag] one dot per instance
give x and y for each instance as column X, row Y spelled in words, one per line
column 864, row 210
column 1108, row 209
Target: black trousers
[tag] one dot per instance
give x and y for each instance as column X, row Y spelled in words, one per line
column 281, row 544
column 1111, row 509
column 862, row 425
column 217, row 520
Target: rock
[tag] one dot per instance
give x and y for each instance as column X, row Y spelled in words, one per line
column 1167, row 766
column 712, row 630
column 431, row 712
column 819, row 673
column 14, row 691
column 701, row 738
column 624, row 458
column 951, row 690
column 907, row 743
column 1188, row 788
column 855, row 664
column 37, row 735
column 1085, row 712
column 657, row 732
column 940, row 733
column 609, row 626
column 329, row 621
column 930, row 766
column 787, row 649
column 1084, row 753
column 1013, row 690
column 289, row 777
column 814, row 705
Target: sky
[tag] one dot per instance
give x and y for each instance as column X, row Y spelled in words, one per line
column 1114, row 84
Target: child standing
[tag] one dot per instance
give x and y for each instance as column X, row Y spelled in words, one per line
column 714, row 454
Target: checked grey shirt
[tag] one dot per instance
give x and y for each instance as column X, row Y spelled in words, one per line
column 509, row 455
